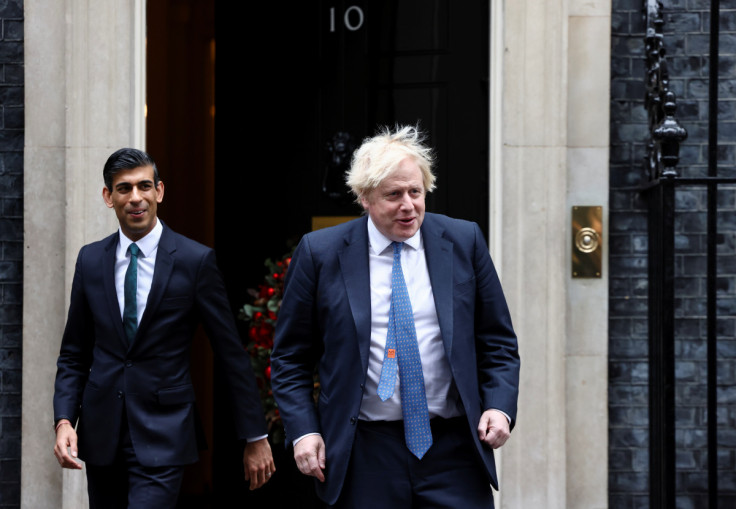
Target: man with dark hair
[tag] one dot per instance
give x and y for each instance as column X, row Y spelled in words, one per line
column 125, row 159
column 403, row 315
column 123, row 370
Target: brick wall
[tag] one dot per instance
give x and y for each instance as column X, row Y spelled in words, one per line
column 686, row 41
column 11, row 246
column 628, row 394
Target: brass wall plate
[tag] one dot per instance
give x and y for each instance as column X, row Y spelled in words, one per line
column 587, row 241
column 319, row 222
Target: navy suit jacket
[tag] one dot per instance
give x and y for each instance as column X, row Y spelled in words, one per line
column 325, row 320
column 101, row 377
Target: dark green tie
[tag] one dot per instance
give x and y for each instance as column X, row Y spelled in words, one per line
column 130, row 310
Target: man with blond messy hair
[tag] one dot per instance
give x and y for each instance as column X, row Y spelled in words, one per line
column 402, row 314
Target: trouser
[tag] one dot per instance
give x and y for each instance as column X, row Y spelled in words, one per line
column 128, row 484
column 383, row 473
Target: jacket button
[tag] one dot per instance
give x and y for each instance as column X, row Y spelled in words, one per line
column 353, row 420
column 120, row 394
column 128, row 364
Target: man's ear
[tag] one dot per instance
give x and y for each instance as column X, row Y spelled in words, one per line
column 160, row 191
column 107, row 196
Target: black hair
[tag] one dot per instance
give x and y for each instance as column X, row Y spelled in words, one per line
column 127, row 159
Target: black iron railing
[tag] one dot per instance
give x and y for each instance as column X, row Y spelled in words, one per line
column 663, row 180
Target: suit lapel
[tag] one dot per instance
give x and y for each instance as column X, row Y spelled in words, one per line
column 161, row 274
column 108, row 280
column 438, row 252
column 356, row 274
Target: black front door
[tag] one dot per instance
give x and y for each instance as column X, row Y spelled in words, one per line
column 298, row 85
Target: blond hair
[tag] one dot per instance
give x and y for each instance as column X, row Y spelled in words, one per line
column 378, row 157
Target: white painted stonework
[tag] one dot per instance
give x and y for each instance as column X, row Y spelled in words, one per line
column 85, row 78
column 549, row 146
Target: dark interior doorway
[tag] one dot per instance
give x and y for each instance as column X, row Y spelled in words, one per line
column 287, row 80
column 180, row 135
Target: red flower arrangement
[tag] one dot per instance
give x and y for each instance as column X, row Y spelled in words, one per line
column 261, row 315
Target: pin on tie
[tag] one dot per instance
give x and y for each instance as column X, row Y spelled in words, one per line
column 130, row 289
column 402, row 354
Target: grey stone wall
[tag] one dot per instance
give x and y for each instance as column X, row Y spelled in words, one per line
column 11, row 246
column 687, row 26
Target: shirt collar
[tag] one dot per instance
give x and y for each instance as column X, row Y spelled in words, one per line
column 147, row 244
column 379, row 242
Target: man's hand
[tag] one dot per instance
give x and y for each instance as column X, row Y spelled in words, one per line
column 65, row 449
column 493, row 428
column 258, row 463
column 309, row 454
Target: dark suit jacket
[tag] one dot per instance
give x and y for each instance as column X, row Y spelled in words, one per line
column 101, row 377
column 325, row 320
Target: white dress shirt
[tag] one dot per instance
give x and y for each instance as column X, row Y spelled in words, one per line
column 148, row 246
column 442, row 395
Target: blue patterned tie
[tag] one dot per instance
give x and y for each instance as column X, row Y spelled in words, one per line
column 130, row 310
column 402, row 350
